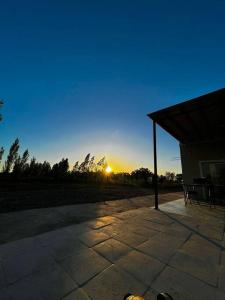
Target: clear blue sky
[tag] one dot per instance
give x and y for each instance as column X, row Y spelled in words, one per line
column 80, row 76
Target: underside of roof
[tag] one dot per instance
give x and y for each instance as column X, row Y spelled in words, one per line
column 198, row 120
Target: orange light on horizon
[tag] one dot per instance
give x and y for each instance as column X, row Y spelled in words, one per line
column 108, row 170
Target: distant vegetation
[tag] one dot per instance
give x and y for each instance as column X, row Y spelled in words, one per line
column 19, row 167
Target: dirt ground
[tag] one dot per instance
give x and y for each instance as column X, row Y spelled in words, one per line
column 22, row 196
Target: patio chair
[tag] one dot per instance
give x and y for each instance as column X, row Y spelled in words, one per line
column 190, row 193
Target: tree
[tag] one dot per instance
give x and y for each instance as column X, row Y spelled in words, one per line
column 1, row 153
column 21, row 164
column 46, row 168
column 91, row 166
column 76, row 167
column 170, row 176
column 102, row 164
column 85, row 164
column 60, row 170
column 12, row 156
column 1, row 104
column 142, row 173
column 1, row 149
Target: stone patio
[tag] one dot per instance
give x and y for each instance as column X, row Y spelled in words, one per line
column 179, row 250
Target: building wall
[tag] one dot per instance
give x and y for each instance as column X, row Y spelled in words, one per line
column 192, row 154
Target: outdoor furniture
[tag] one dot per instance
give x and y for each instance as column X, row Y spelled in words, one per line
column 199, row 193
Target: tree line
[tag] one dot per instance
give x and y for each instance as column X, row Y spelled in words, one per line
column 19, row 166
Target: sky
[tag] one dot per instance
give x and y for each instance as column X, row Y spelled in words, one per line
column 81, row 76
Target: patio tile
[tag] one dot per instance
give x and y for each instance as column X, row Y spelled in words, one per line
column 95, row 224
column 92, row 238
column 112, row 249
column 223, row 258
column 141, row 266
column 77, row 229
column 113, row 229
column 141, row 230
column 49, row 284
column 18, row 266
column 160, row 218
column 2, row 277
column 53, row 237
column 151, row 294
column 78, row 294
column 24, row 290
column 161, row 247
column 66, row 248
column 221, row 283
column 4, row 295
column 199, row 268
column 196, row 243
column 84, row 266
column 130, row 238
column 182, row 286
column 113, row 284
column 18, row 247
column 211, row 232
column 108, row 219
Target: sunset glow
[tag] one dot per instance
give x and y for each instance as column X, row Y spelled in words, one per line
column 108, row 170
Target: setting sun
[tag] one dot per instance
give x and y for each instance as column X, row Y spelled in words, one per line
column 108, row 170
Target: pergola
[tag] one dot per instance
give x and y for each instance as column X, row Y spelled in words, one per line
column 198, row 120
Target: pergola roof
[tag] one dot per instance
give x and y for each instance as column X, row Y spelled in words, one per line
column 197, row 120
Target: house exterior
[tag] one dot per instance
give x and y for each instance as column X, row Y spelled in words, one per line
column 199, row 126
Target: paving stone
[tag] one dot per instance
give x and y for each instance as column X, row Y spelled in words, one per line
column 210, row 232
column 146, row 232
column 113, row 229
column 18, row 247
column 49, row 284
column 78, row 294
column 77, row 229
column 112, row 249
column 151, row 294
column 130, row 238
column 53, row 237
column 154, row 226
column 178, row 230
column 161, row 219
column 93, row 237
column 18, row 266
column 160, row 247
column 108, row 219
column 199, row 268
column 141, row 266
column 182, row 286
column 223, row 258
column 221, row 283
column 113, row 284
column 2, row 277
column 24, row 290
column 65, row 248
column 96, row 224
column 210, row 254
column 84, row 266
column 4, row 295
